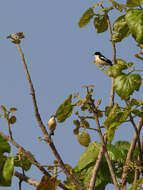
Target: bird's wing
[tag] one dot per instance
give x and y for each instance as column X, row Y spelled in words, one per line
column 105, row 59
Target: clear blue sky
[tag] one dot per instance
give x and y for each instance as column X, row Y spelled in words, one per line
column 59, row 58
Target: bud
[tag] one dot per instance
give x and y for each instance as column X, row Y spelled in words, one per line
column 76, row 131
column 99, row 102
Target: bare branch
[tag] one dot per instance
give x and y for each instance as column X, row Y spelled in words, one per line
column 29, row 157
column 43, row 128
column 138, row 136
column 114, row 178
column 96, row 167
column 25, row 178
column 112, row 92
column 130, row 152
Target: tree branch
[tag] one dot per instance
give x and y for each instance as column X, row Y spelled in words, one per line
column 25, row 178
column 43, row 128
column 97, row 166
column 130, row 152
column 114, row 178
column 93, row 108
column 138, row 139
column 112, row 92
column 30, row 157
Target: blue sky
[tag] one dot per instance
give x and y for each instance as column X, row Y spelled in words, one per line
column 59, row 58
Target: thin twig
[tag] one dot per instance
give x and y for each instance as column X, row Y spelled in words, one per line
column 43, row 128
column 112, row 92
column 25, row 178
column 130, row 152
column 9, row 130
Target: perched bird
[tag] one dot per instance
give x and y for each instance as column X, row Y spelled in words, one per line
column 101, row 60
column 52, row 124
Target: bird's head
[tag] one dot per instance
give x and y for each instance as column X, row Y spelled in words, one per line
column 97, row 53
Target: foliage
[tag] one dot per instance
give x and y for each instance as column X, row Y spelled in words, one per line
column 124, row 157
column 6, row 164
column 84, row 168
column 65, row 110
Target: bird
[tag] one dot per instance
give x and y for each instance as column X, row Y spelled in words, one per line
column 52, row 124
column 101, row 59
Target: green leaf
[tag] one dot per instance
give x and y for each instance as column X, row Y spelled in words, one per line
column 86, row 17
column 134, row 19
column 4, row 145
column 123, row 145
column 7, row 172
column 125, row 85
column 120, row 28
column 133, row 3
column 116, row 69
column 65, row 110
column 89, row 156
column 84, row 170
column 100, row 23
column 2, row 161
column 119, row 7
column 22, row 162
column 115, row 118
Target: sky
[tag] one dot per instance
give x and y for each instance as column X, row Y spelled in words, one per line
column 59, row 57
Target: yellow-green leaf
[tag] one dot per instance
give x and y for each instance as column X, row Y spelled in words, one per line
column 125, row 85
column 3, row 108
column 116, row 69
column 133, row 3
column 118, row 6
column 100, row 23
column 7, row 172
column 65, row 109
column 4, row 145
column 134, row 19
column 86, row 17
column 120, row 28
